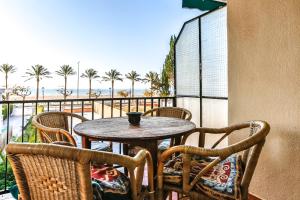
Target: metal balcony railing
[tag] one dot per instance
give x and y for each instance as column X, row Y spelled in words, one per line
column 15, row 124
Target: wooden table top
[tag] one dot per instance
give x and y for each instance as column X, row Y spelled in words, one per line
column 119, row 129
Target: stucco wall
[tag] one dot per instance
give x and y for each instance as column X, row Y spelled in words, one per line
column 264, row 83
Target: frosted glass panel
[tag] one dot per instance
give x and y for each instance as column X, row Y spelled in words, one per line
column 215, row 115
column 193, row 105
column 187, row 60
column 213, row 41
column 214, row 54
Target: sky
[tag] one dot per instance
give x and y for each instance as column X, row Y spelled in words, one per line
column 101, row 34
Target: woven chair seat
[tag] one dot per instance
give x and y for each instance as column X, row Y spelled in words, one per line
column 109, row 183
column 222, row 181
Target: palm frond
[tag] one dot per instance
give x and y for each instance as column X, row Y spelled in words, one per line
column 90, row 73
column 6, row 68
column 112, row 75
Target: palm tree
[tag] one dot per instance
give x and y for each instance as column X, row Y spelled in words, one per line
column 65, row 71
column 6, row 69
column 112, row 75
column 153, row 78
column 90, row 74
column 133, row 76
column 38, row 72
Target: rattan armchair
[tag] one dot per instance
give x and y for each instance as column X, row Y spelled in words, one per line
column 175, row 112
column 196, row 172
column 48, row 171
column 54, row 126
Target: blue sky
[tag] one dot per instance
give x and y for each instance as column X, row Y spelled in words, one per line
column 102, row 34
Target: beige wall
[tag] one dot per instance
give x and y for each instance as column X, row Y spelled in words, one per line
column 264, row 83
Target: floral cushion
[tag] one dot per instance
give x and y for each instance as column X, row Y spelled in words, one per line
column 109, row 183
column 221, row 182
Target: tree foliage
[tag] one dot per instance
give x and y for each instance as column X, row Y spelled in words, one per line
column 164, row 84
column 7, row 69
column 28, row 136
column 152, row 78
column 5, row 110
column 133, row 76
column 123, row 93
column 37, row 72
column 21, row 91
column 65, row 71
column 169, row 64
column 166, row 81
column 90, row 74
column 112, row 75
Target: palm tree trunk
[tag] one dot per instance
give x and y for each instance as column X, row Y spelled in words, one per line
column 6, row 85
column 132, row 89
column 112, row 88
column 37, row 88
column 90, row 88
column 65, row 92
column 151, row 89
column 6, row 77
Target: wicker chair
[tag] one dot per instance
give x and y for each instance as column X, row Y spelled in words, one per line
column 169, row 112
column 196, row 172
column 175, row 112
column 48, row 171
column 54, row 126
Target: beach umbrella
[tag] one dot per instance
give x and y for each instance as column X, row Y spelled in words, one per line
column 204, row 5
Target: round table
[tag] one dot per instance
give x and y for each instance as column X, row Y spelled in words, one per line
column 146, row 135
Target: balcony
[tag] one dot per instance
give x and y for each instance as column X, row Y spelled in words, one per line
column 244, row 68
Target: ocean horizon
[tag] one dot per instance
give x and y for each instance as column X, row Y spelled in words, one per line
column 82, row 92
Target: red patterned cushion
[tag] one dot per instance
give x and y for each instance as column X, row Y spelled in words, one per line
column 112, row 183
column 221, row 182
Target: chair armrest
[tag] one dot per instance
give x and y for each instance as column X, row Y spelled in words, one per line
column 203, row 131
column 41, row 127
column 148, row 112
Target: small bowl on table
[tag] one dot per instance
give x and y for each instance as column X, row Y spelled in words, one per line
column 134, row 118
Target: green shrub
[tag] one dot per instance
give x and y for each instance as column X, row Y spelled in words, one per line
column 29, row 133
column 4, row 110
column 29, row 136
column 10, row 179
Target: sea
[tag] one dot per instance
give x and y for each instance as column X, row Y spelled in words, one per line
column 84, row 92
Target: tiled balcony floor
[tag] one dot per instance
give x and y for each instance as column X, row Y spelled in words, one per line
column 6, row 197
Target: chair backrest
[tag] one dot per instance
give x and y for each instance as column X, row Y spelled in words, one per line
column 250, row 148
column 48, row 171
column 54, row 120
column 54, row 126
column 175, row 112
